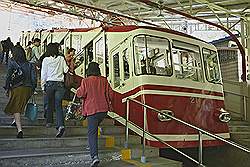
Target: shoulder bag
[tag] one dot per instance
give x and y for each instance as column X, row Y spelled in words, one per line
column 31, row 109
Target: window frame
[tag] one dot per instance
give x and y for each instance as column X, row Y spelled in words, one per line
column 134, row 56
column 200, row 54
column 205, row 70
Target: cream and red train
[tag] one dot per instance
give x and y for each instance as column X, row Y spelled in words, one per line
column 163, row 68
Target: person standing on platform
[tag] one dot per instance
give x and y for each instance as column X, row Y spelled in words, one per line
column 19, row 92
column 28, row 50
column 36, row 53
column 1, row 52
column 7, row 47
column 97, row 94
column 69, row 57
column 52, row 82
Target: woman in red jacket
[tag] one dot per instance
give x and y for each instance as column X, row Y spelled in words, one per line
column 97, row 94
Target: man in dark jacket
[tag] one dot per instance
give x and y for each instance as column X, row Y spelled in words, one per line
column 7, row 47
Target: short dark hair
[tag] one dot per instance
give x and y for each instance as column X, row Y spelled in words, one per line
column 93, row 69
column 37, row 40
column 53, row 49
column 70, row 50
column 19, row 54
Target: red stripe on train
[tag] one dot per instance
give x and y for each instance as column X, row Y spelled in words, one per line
column 172, row 88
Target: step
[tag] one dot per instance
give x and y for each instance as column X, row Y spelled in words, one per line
column 41, row 122
column 240, row 135
column 239, row 128
column 239, row 122
column 64, row 142
column 41, row 131
column 76, row 157
column 246, row 142
column 70, row 159
column 158, row 162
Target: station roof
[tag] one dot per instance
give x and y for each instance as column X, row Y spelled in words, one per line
column 154, row 12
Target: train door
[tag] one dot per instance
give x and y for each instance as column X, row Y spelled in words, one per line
column 44, row 42
column 76, row 41
column 49, row 38
column 100, row 53
column 66, row 44
column 121, row 67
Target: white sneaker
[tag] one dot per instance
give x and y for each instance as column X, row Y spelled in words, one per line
column 95, row 162
column 60, row 131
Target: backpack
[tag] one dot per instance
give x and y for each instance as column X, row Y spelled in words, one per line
column 17, row 76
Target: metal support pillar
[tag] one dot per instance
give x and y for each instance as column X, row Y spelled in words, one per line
column 248, row 49
column 247, row 100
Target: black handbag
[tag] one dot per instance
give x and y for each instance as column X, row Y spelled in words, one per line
column 17, row 76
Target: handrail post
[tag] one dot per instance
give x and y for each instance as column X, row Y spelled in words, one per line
column 127, row 118
column 245, row 107
column 200, row 148
column 143, row 158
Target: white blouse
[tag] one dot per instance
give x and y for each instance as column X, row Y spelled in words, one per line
column 53, row 69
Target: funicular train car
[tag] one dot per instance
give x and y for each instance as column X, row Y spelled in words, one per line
column 162, row 68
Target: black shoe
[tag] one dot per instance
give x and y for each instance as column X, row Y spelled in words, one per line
column 13, row 124
column 95, row 162
column 60, row 131
column 19, row 135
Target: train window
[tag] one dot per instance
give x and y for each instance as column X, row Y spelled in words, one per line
column 187, row 61
column 140, row 53
column 125, row 64
column 99, row 51
column 116, row 70
column 211, row 66
column 152, row 56
column 76, row 42
column 107, row 61
column 89, row 54
column 99, row 54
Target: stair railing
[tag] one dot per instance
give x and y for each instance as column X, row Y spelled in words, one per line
column 201, row 132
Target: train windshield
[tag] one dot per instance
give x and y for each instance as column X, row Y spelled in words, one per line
column 211, row 66
column 152, row 56
column 187, row 61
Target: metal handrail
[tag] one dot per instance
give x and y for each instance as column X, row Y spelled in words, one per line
column 201, row 131
column 157, row 138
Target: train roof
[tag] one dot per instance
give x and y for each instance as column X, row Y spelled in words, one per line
column 133, row 27
column 127, row 28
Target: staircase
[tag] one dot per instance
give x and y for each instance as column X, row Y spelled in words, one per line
column 240, row 132
column 40, row 148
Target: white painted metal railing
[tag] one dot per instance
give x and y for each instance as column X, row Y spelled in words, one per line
column 201, row 132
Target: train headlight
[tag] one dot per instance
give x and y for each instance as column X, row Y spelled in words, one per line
column 224, row 116
column 162, row 117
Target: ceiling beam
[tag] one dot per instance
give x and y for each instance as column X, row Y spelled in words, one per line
column 81, row 5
